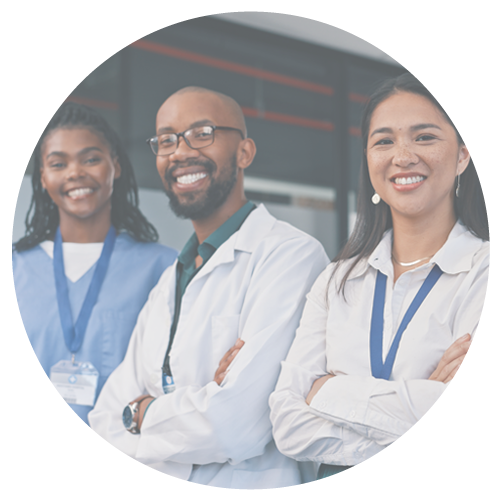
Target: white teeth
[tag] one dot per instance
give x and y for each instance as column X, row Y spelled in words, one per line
column 190, row 178
column 75, row 193
column 408, row 180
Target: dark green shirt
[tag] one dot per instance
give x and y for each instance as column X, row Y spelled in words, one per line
column 186, row 266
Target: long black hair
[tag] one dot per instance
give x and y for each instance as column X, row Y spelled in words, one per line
column 373, row 220
column 42, row 218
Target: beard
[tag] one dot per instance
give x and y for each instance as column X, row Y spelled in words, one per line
column 197, row 206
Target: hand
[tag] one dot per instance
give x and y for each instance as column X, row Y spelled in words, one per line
column 139, row 415
column 451, row 360
column 226, row 361
column 318, row 384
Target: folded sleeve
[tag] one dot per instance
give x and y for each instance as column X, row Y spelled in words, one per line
column 299, row 431
column 380, row 410
column 230, row 423
column 364, row 413
column 383, row 410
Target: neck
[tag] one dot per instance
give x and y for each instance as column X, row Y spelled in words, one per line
column 86, row 230
column 415, row 239
column 205, row 227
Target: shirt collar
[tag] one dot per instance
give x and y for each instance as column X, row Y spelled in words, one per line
column 189, row 252
column 206, row 249
column 454, row 257
column 221, row 234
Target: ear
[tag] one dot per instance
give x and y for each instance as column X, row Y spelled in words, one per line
column 118, row 168
column 246, row 153
column 463, row 159
column 42, row 178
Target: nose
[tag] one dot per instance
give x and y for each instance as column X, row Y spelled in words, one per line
column 75, row 170
column 404, row 156
column 183, row 151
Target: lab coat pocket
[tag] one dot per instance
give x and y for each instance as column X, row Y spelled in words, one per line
column 225, row 333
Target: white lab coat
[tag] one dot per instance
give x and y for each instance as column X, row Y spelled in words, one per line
column 253, row 287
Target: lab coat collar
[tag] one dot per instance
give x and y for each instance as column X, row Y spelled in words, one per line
column 258, row 223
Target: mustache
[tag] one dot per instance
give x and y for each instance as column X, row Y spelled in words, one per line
column 207, row 164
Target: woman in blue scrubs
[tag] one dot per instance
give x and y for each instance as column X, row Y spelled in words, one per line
column 88, row 260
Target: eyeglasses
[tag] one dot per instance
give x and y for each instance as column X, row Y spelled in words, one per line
column 196, row 138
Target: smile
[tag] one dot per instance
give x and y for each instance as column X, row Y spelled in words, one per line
column 190, row 178
column 404, row 181
column 79, row 192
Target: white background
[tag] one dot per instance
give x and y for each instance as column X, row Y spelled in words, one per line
column 48, row 48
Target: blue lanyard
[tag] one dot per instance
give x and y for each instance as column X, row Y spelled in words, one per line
column 74, row 334
column 380, row 369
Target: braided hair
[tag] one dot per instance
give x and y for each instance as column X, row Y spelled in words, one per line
column 42, row 218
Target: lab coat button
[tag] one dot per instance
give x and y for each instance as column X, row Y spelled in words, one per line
column 352, row 414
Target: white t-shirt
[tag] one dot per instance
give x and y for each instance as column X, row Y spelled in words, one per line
column 78, row 257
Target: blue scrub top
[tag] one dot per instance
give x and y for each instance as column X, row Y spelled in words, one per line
column 134, row 269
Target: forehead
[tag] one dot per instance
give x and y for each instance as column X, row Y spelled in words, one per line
column 406, row 109
column 181, row 111
column 73, row 139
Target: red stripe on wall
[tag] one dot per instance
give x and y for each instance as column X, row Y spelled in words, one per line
column 93, row 102
column 289, row 119
column 355, row 131
column 230, row 66
column 358, row 98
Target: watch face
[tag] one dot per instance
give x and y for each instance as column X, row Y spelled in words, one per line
column 127, row 417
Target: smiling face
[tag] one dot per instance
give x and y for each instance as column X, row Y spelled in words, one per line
column 199, row 182
column 414, row 156
column 78, row 171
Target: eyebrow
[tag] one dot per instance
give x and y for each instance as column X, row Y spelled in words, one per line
column 199, row 123
column 413, row 128
column 82, row 152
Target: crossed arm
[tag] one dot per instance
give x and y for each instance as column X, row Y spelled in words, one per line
column 445, row 371
column 218, row 378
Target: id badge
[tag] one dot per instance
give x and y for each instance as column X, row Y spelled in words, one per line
column 75, row 382
column 168, row 383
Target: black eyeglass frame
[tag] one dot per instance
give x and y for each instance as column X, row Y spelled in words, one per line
column 181, row 134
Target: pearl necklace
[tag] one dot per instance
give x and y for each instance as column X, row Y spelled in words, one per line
column 408, row 264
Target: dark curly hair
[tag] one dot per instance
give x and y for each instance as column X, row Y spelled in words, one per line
column 42, row 218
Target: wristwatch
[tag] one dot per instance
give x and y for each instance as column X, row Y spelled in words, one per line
column 128, row 415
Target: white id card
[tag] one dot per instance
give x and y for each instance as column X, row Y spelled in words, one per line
column 76, row 382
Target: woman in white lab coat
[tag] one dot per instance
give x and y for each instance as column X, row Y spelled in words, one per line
column 84, row 207
column 388, row 323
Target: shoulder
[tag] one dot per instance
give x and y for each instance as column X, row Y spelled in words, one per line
column 286, row 244
column 266, row 231
column 126, row 243
column 29, row 255
column 31, row 265
column 480, row 260
column 463, row 252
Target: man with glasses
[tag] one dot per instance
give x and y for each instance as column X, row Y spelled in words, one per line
column 190, row 398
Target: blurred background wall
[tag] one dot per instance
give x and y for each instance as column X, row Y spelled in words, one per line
column 301, row 84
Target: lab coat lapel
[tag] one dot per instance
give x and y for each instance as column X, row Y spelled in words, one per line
column 257, row 224
column 224, row 254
